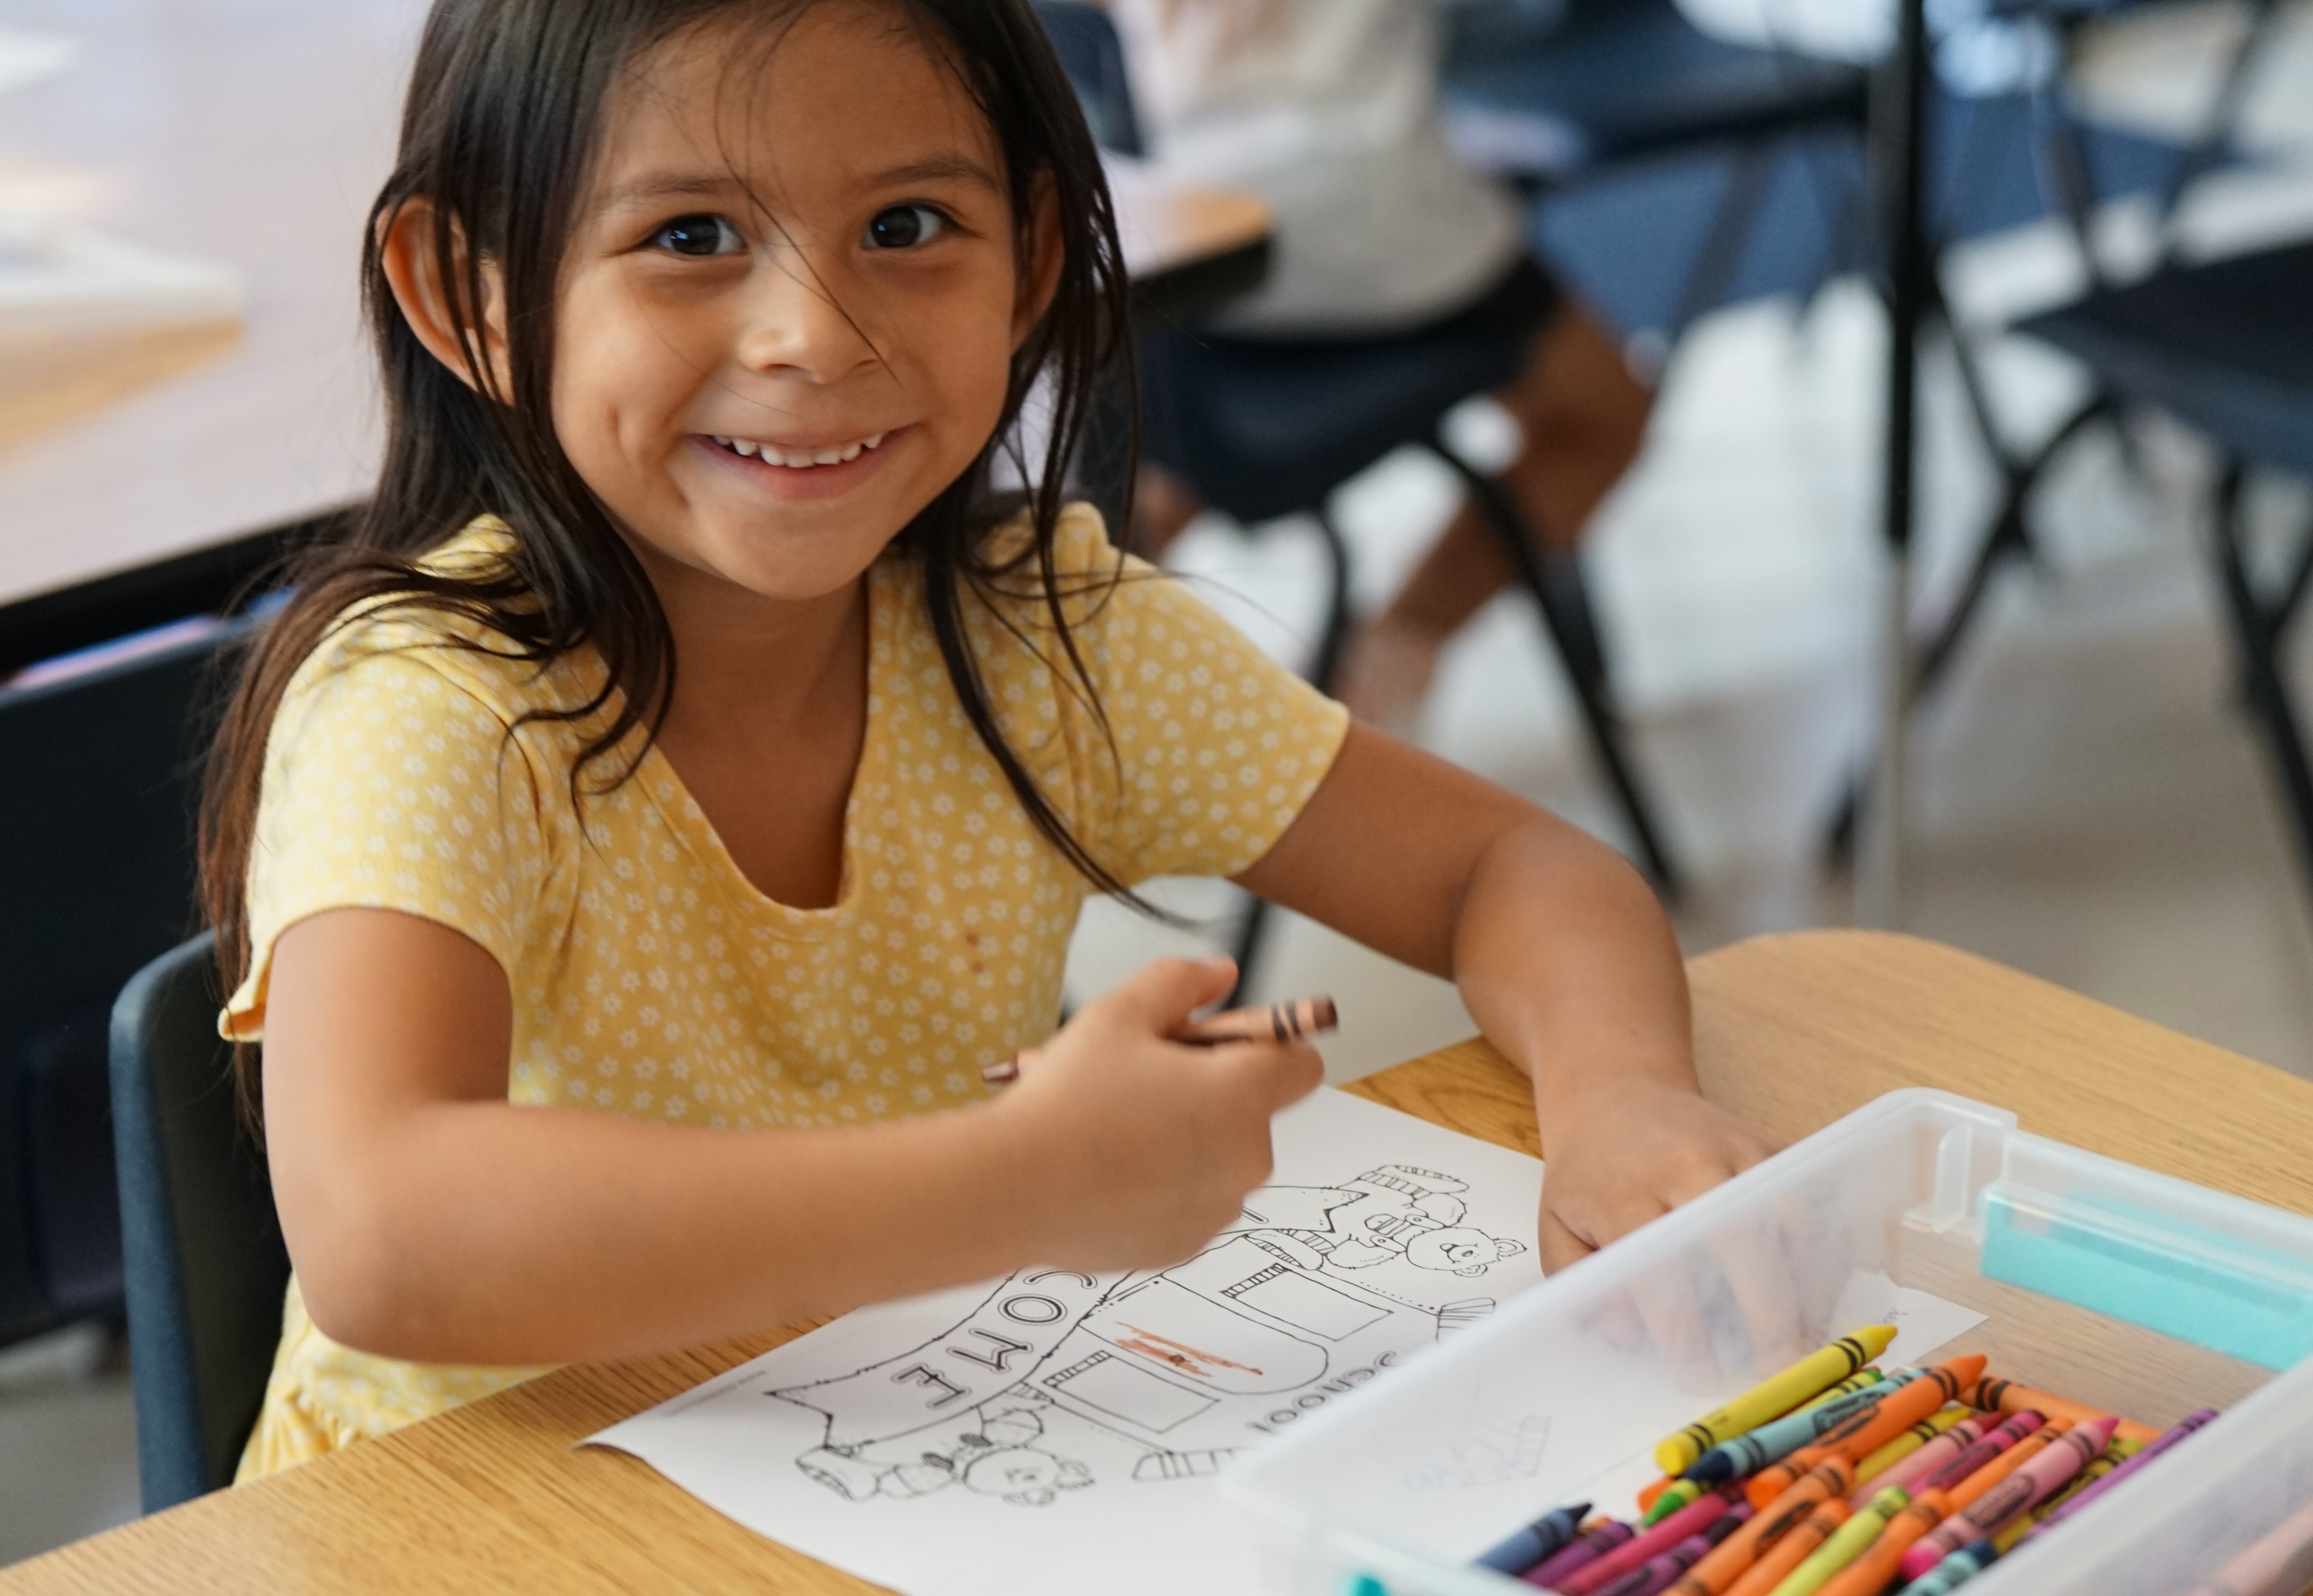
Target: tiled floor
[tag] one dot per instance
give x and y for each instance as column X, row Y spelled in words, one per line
column 2088, row 803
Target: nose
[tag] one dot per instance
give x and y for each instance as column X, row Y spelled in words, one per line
column 798, row 315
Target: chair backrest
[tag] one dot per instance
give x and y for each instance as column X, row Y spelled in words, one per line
column 96, row 880
column 206, row 1264
column 1092, row 56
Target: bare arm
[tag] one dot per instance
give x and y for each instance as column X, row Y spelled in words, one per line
column 431, row 1219
column 1561, row 953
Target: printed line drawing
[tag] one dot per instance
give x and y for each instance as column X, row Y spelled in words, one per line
column 1058, row 1380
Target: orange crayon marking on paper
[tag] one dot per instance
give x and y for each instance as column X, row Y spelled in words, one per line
column 1180, row 1355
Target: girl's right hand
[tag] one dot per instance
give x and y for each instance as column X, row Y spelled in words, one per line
column 1141, row 1147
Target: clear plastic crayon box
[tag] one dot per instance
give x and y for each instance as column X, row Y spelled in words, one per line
column 2076, row 1275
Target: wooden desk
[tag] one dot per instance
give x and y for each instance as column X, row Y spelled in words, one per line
column 1790, row 1032
column 256, row 133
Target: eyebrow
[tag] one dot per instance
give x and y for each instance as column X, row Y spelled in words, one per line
column 657, row 187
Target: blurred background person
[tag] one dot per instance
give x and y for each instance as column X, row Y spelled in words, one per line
column 1327, row 108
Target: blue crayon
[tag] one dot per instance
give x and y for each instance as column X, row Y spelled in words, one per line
column 1536, row 1541
column 1954, row 1571
column 1753, row 1450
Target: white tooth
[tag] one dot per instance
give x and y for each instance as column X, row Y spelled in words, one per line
column 743, row 446
column 789, row 460
column 828, row 457
column 872, row 441
column 851, row 452
column 719, row 439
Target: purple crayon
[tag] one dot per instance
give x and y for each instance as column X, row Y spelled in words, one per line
column 2167, row 1439
column 1655, row 1574
column 1592, row 1547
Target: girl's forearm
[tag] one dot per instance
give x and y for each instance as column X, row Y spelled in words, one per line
column 1570, row 968
column 485, row 1232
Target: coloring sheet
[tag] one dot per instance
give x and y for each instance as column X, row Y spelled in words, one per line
column 1060, row 1431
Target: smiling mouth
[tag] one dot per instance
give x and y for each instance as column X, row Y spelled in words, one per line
column 798, row 459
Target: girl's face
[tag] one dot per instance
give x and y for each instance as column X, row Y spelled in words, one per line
column 791, row 299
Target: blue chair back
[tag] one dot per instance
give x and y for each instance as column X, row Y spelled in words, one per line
column 206, row 1264
column 96, row 880
column 1093, row 57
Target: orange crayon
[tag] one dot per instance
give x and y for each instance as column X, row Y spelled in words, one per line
column 1963, row 1494
column 2005, row 1396
column 1797, row 1545
column 1724, row 1563
column 1870, row 1573
column 1873, row 1428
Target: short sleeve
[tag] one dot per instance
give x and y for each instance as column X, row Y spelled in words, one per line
column 389, row 784
column 1217, row 746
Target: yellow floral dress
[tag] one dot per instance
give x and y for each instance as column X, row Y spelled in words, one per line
column 651, row 979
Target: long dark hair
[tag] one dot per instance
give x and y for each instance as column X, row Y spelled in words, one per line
column 499, row 134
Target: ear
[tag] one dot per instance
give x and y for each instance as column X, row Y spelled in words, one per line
column 472, row 346
column 1504, row 1247
column 1042, row 252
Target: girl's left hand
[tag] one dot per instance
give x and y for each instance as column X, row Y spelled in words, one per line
column 1622, row 1153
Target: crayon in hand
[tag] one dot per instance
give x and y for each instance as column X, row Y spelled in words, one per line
column 1773, row 1396
column 1753, row 1450
column 2005, row 1396
column 1870, row 1574
column 1797, row 1546
column 1847, row 1543
column 1728, row 1560
column 1515, row 1554
column 1873, row 1427
column 2034, row 1481
column 1289, row 1022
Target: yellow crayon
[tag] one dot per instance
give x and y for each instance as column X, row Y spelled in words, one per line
column 1910, row 1442
column 1846, row 1544
column 1773, row 1396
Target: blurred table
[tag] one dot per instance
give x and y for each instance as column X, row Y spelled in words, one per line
column 1790, row 1032
column 136, row 471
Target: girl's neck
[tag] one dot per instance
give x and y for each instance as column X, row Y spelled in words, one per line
column 769, row 717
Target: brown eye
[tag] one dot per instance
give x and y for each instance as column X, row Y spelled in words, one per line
column 903, row 226
column 699, row 235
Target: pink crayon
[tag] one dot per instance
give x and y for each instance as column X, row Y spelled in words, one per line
column 1923, row 1462
column 2168, row 1437
column 1656, row 1573
column 2036, row 1482
column 1994, row 1441
column 1592, row 1546
column 1694, row 1518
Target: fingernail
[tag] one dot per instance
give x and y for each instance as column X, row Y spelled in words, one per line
column 1003, row 1072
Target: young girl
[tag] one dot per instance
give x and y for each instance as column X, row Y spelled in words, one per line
column 632, row 846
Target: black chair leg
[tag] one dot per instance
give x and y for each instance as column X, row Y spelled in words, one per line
column 1333, row 636
column 2009, row 537
column 2260, row 626
column 1558, row 592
